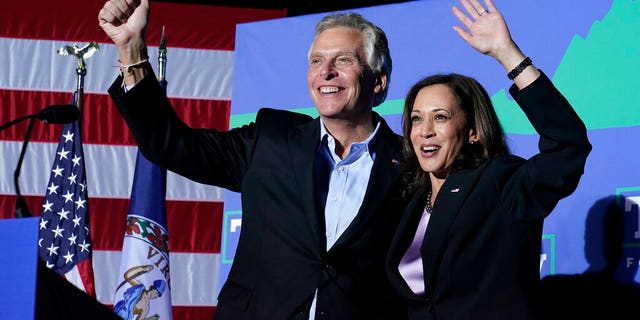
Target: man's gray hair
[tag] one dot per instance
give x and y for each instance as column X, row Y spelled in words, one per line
column 376, row 45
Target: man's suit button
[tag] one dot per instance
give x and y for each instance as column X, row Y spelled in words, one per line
column 300, row 311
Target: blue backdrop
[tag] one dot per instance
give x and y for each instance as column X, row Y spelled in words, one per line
column 588, row 48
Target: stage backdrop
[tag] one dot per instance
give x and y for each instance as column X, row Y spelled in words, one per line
column 200, row 42
column 589, row 49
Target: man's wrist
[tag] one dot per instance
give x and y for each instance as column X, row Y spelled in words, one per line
column 133, row 52
column 133, row 73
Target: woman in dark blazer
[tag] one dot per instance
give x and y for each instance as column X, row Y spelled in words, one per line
column 468, row 246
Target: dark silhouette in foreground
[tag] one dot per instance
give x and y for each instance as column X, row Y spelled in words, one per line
column 606, row 290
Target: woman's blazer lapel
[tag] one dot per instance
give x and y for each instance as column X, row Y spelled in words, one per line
column 449, row 201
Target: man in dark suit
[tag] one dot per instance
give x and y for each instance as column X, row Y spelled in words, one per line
column 319, row 196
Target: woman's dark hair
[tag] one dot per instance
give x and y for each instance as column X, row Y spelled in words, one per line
column 480, row 115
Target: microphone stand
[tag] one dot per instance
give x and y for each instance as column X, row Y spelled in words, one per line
column 12, row 122
column 22, row 210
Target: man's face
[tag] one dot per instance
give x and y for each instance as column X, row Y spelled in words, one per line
column 340, row 82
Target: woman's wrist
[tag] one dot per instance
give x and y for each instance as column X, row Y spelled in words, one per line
column 509, row 56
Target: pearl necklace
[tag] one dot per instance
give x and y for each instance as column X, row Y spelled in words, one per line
column 428, row 206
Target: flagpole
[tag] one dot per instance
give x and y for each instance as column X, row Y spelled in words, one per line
column 144, row 275
column 64, row 242
column 162, row 61
column 81, row 71
column 81, row 68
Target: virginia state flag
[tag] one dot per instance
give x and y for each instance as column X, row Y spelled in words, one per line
column 144, row 283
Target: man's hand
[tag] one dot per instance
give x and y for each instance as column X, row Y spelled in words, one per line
column 125, row 22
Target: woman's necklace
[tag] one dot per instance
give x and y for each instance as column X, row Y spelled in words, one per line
column 428, row 206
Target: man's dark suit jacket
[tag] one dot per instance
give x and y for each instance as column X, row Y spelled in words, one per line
column 281, row 258
column 481, row 249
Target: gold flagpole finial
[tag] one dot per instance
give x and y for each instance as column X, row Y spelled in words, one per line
column 162, row 58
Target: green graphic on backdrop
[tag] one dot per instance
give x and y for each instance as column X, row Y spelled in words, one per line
column 598, row 75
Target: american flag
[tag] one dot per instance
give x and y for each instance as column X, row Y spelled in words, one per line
column 64, row 241
column 201, row 40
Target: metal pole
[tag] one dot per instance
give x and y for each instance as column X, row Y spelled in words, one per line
column 81, row 69
column 162, row 62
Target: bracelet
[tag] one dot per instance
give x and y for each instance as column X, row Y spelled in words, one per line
column 518, row 69
column 125, row 69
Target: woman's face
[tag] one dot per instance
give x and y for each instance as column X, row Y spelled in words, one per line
column 438, row 129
